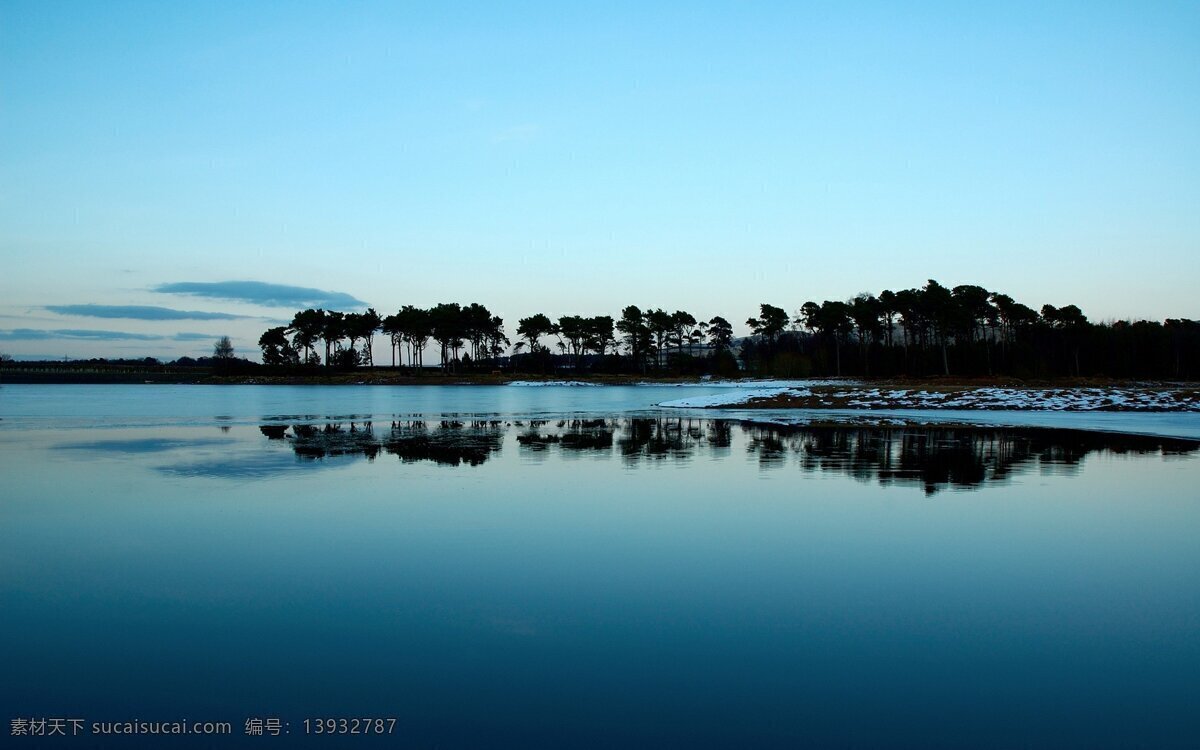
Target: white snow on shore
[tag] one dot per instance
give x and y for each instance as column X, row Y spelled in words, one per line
column 733, row 399
column 809, row 383
column 553, row 383
column 1051, row 399
column 738, row 384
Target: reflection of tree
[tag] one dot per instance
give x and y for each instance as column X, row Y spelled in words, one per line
column 720, row 435
column 450, row 442
column 313, row 442
column 274, row 431
column 572, row 435
column 768, row 445
column 673, row 437
column 532, row 439
column 652, row 438
column 936, row 458
column 933, row 458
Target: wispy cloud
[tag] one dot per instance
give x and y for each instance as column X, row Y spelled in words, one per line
column 42, row 334
column 77, row 334
column 195, row 337
column 263, row 293
column 139, row 312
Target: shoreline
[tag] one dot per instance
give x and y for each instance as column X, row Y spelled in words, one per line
column 386, row 376
column 995, row 394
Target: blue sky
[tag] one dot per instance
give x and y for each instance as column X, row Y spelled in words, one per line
column 573, row 158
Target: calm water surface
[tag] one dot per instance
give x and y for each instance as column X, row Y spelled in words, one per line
column 572, row 568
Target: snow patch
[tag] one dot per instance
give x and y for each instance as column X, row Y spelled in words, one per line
column 801, row 383
column 553, row 383
column 1024, row 399
column 733, row 399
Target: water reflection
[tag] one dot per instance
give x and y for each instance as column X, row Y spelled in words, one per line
column 939, row 457
column 142, row 445
column 931, row 457
column 241, row 466
column 576, row 435
column 447, row 442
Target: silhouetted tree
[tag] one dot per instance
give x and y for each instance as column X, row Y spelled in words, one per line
column 496, row 342
column 333, row 328
column 532, row 329
column 971, row 309
column 1184, row 336
column 864, row 312
column 938, row 305
column 352, row 329
column 978, row 330
column 276, row 349
column 887, row 311
column 306, row 328
column 599, row 332
column 636, row 335
column 720, row 333
column 660, row 324
column 683, row 326
column 414, row 327
column 835, row 323
column 1071, row 323
column 364, row 326
column 573, row 328
column 390, row 325
column 448, row 327
column 223, row 349
column 477, row 323
column 771, row 322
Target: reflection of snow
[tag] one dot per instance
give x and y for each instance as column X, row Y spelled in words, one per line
column 557, row 383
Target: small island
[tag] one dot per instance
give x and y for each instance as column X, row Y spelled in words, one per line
column 927, row 347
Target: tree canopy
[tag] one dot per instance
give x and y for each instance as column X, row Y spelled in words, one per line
column 925, row 330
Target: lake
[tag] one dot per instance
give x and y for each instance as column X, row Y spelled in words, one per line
column 573, row 567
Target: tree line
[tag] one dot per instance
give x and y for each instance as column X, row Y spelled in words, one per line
column 463, row 334
column 470, row 336
column 929, row 330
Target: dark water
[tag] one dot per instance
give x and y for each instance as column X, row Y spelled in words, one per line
column 604, row 582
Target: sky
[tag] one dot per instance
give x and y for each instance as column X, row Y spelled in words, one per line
column 575, row 158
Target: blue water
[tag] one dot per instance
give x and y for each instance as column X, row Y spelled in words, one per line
column 109, row 405
column 577, row 569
